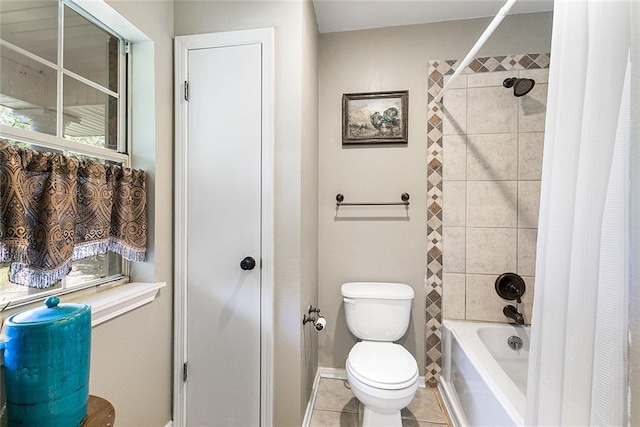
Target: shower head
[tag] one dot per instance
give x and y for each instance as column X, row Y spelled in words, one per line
column 520, row 86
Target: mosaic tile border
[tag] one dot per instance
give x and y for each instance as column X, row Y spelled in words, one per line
column 436, row 73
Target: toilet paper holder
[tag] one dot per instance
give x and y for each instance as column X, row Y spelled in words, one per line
column 319, row 323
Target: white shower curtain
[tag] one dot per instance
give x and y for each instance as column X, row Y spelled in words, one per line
column 578, row 359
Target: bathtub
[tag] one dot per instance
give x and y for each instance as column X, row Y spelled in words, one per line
column 483, row 381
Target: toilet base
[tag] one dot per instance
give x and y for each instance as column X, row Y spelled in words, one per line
column 374, row 417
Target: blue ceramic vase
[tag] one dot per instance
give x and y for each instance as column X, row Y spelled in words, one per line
column 46, row 362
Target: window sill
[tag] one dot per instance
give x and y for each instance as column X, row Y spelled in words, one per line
column 113, row 302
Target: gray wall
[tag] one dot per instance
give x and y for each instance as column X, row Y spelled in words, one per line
column 634, row 253
column 296, row 143
column 378, row 245
column 309, row 196
column 131, row 361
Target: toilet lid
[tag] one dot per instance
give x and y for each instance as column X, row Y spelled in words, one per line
column 382, row 364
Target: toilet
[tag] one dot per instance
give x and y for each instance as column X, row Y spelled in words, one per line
column 382, row 375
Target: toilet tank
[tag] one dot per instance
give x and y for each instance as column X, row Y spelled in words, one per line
column 377, row 311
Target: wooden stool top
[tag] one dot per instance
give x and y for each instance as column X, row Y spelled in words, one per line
column 100, row 413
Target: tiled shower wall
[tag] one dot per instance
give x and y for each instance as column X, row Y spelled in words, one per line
column 484, row 167
column 492, row 159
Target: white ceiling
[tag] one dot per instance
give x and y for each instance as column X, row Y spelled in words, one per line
column 346, row 15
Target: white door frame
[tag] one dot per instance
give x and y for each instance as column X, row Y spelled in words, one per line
column 182, row 45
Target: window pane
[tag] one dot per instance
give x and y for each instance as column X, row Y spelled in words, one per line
column 13, row 142
column 81, row 156
column 90, row 116
column 35, row 147
column 92, row 268
column 89, row 51
column 28, row 91
column 31, row 25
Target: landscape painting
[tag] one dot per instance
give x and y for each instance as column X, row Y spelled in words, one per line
column 375, row 118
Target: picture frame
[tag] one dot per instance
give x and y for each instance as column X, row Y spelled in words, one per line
column 375, row 118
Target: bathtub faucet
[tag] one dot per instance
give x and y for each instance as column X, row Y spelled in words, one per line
column 513, row 313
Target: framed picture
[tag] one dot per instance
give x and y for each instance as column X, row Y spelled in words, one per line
column 375, row 118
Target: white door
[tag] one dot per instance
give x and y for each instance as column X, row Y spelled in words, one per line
column 223, row 179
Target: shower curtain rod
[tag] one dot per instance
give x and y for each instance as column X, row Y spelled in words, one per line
column 504, row 10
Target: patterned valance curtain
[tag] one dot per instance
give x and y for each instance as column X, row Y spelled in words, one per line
column 55, row 209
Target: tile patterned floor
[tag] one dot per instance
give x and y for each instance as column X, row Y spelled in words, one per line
column 336, row 406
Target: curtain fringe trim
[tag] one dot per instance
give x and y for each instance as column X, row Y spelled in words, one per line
column 22, row 274
column 103, row 246
column 127, row 252
column 13, row 253
column 90, row 249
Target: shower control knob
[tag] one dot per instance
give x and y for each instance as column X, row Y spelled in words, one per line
column 247, row 263
column 515, row 343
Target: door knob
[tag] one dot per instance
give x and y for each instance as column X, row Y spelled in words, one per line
column 247, row 263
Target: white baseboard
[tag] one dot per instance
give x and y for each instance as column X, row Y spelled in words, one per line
column 333, row 373
column 169, row 424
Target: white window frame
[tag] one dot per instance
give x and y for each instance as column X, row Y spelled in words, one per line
column 110, row 297
column 58, row 142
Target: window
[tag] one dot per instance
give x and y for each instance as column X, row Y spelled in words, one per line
column 64, row 87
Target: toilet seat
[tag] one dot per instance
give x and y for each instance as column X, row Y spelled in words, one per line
column 383, row 365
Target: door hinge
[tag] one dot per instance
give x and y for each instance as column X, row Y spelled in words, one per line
column 127, row 47
column 186, row 90
column 185, row 371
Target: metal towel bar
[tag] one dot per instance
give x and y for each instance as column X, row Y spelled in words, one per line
column 403, row 196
